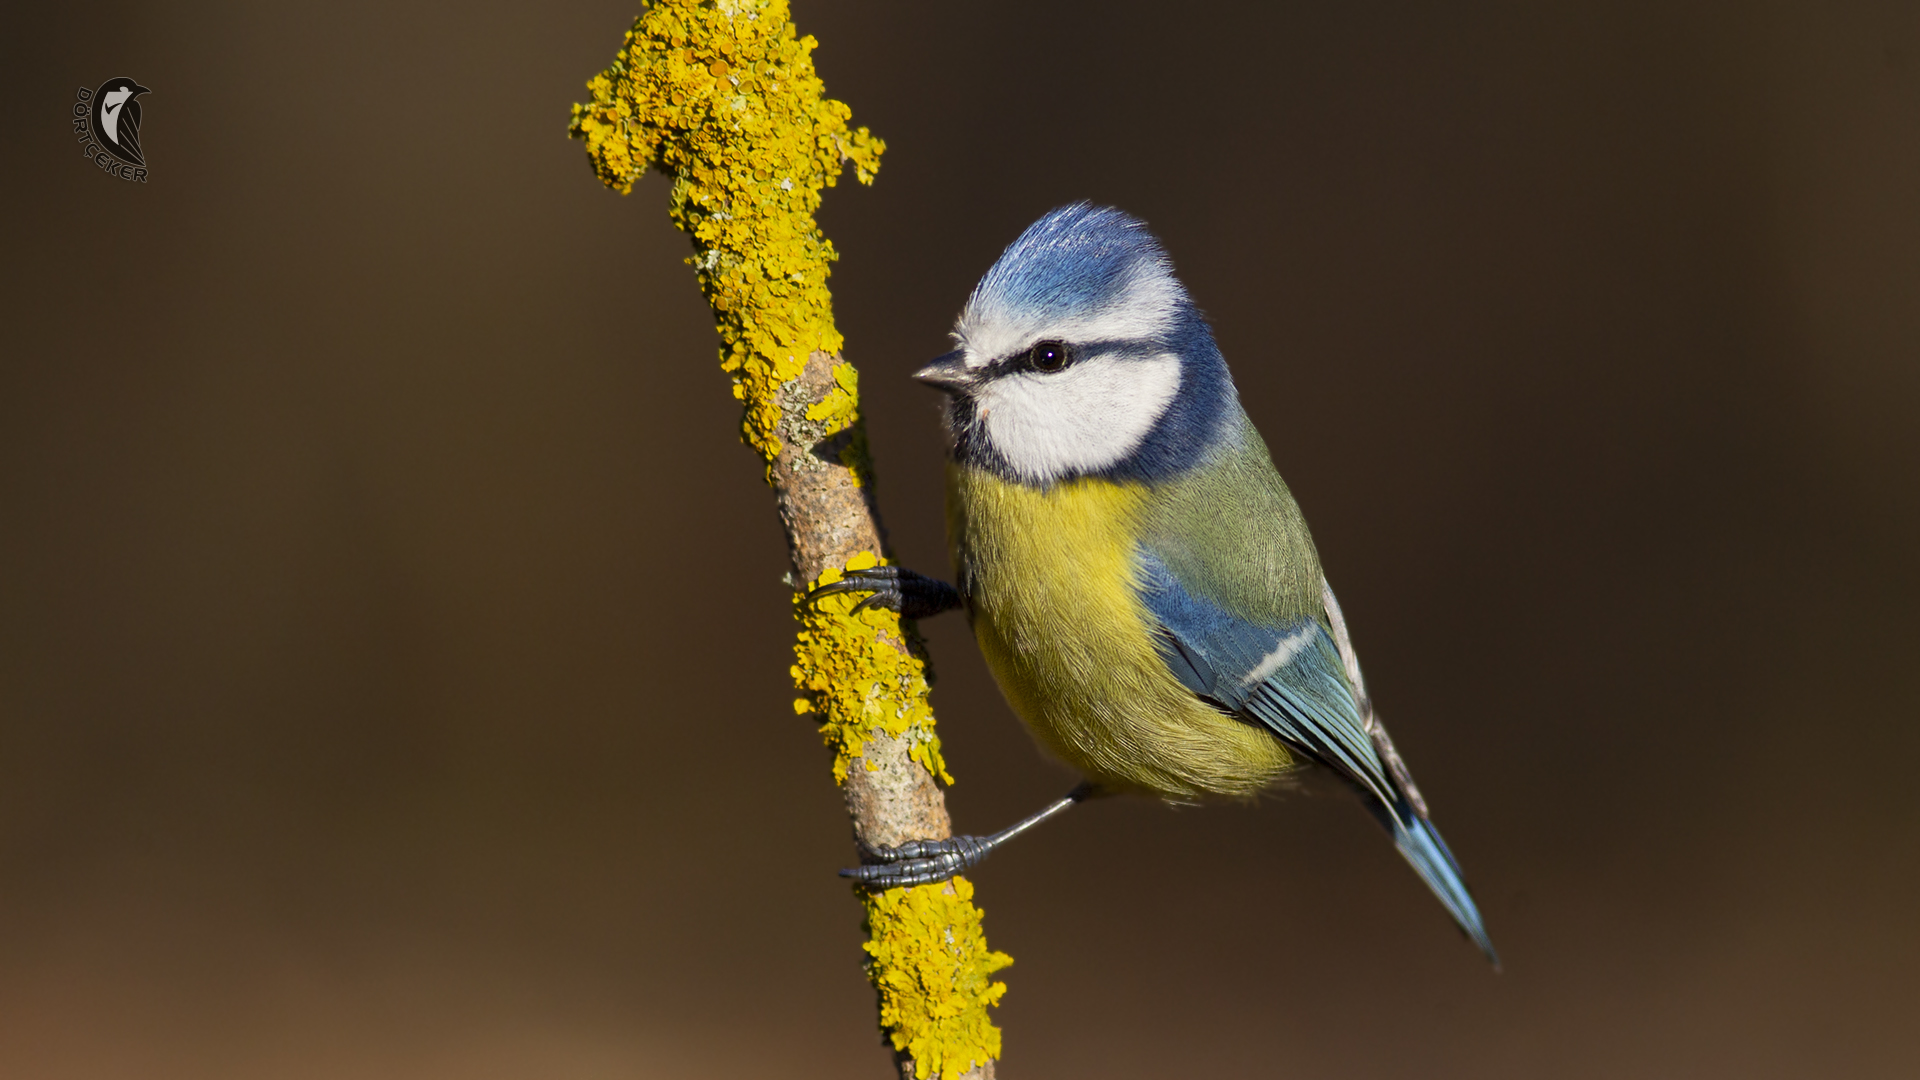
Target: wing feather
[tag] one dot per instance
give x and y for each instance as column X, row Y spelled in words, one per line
column 1301, row 680
column 1287, row 678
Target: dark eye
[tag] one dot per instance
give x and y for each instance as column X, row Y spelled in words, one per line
column 1050, row 356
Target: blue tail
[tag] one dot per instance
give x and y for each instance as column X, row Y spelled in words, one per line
column 1420, row 842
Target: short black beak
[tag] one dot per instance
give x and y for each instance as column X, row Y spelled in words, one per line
column 947, row 372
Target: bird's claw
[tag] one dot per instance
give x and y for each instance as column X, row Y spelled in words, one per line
column 882, row 581
column 914, row 596
column 918, row 862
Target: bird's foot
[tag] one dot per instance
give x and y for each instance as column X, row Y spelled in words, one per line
column 914, row 596
column 919, row 862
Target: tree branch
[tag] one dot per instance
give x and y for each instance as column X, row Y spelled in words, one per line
column 722, row 96
column 831, row 519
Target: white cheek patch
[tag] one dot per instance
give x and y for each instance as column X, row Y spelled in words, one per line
column 1083, row 419
column 1145, row 310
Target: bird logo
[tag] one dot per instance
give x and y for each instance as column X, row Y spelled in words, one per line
column 116, row 119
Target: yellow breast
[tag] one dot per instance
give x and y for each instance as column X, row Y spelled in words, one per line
column 1050, row 575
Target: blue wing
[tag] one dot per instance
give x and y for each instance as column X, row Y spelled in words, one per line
column 1290, row 679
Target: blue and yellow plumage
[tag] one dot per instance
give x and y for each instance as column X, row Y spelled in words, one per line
column 1139, row 578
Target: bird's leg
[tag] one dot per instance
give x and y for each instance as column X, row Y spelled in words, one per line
column 921, row 862
column 914, row 596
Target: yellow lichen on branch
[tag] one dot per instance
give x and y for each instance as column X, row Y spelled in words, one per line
column 722, row 96
column 931, row 964
column 857, row 685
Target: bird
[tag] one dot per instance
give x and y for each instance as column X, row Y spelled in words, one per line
column 116, row 114
column 1139, row 579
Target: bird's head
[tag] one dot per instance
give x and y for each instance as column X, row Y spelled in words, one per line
column 116, row 91
column 1080, row 354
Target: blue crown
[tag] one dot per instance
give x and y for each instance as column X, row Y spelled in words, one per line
column 1077, row 259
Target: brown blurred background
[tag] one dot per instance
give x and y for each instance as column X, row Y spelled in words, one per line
column 392, row 643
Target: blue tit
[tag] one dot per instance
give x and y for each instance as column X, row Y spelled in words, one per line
column 1140, row 580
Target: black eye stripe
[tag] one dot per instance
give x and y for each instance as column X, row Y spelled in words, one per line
column 1076, row 352
column 1044, row 357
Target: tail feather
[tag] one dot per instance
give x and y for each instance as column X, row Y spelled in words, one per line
column 1404, row 813
column 1420, row 843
